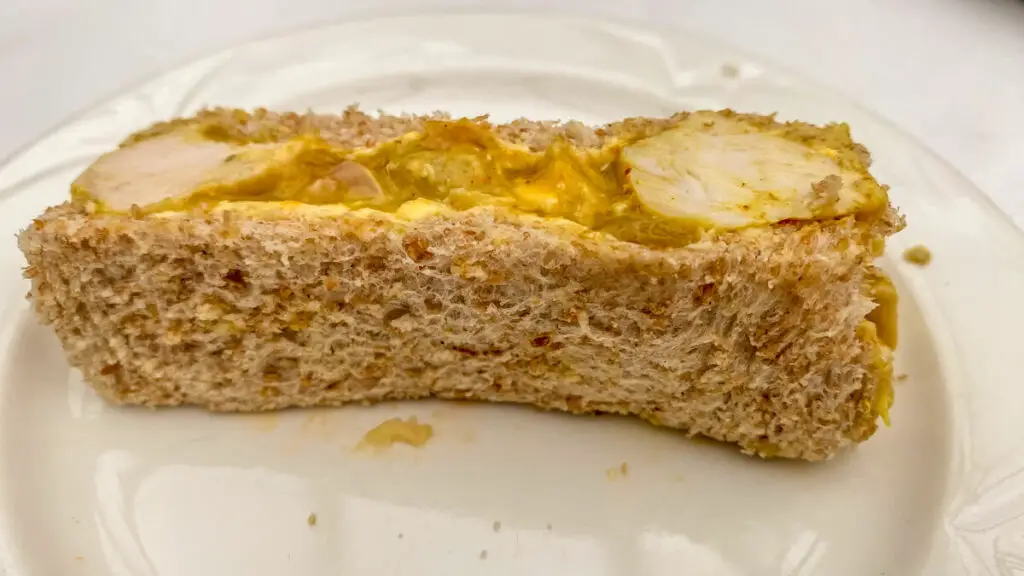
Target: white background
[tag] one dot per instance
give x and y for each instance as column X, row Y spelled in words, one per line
column 950, row 72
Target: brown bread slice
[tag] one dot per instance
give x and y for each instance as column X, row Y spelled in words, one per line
column 755, row 336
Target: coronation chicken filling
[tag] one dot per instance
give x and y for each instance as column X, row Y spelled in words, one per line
column 707, row 171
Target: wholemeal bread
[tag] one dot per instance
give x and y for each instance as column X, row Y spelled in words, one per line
column 776, row 336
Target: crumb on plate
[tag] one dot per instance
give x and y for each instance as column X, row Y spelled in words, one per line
column 619, row 471
column 918, row 254
column 397, row 430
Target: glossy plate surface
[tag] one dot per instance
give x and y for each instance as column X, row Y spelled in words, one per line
column 87, row 489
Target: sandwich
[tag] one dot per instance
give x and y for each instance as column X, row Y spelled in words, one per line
column 711, row 271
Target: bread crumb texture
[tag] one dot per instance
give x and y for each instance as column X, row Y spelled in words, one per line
column 748, row 337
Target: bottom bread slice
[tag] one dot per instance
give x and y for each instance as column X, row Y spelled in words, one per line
column 756, row 337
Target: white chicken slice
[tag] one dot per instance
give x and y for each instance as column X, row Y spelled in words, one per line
column 165, row 172
column 729, row 171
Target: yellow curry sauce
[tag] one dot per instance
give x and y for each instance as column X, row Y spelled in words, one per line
column 628, row 189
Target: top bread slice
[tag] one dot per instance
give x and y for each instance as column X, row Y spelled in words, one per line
column 776, row 337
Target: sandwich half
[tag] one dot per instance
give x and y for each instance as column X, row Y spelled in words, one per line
column 711, row 271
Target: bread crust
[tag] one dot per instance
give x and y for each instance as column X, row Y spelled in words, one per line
column 748, row 337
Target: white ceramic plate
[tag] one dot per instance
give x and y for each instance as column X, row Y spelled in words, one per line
column 88, row 489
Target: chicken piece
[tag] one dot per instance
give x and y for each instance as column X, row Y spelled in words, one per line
column 722, row 171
